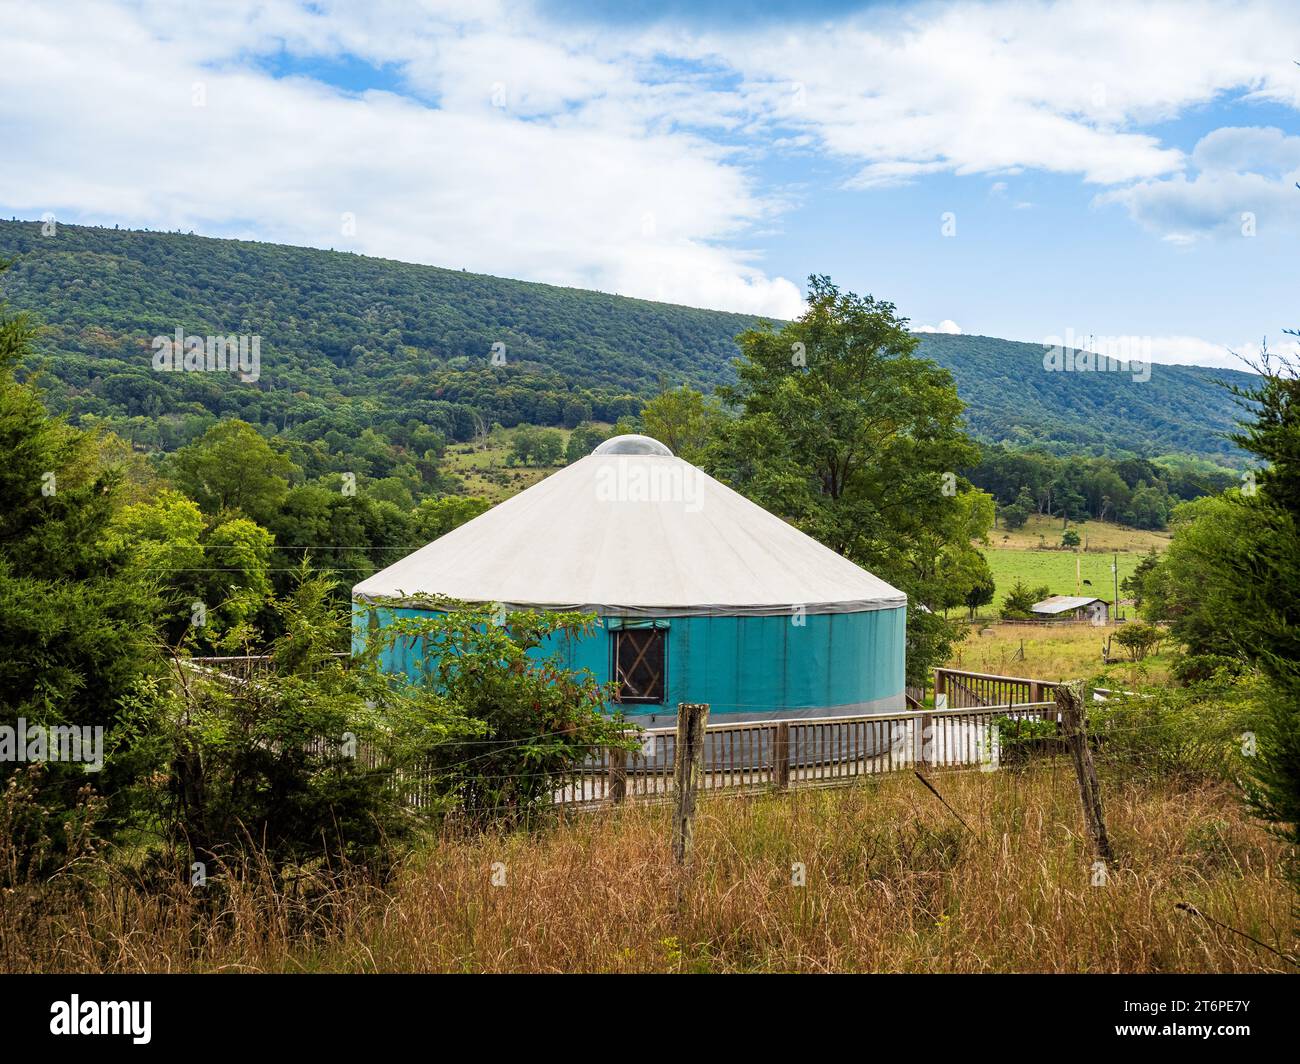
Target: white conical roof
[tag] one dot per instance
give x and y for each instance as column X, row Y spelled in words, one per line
column 633, row 531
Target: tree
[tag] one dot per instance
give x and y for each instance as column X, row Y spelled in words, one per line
column 550, row 447
column 582, row 441
column 1020, row 600
column 680, row 419
column 1268, row 578
column 576, row 411
column 1149, row 507
column 841, row 430
column 1139, row 640
column 1070, row 538
column 1226, row 586
column 233, row 468
column 1194, row 589
column 1016, row 515
column 238, row 582
column 164, row 536
column 351, row 535
column 436, row 517
column 1132, row 585
column 945, row 558
column 980, row 594
column 273, row 766
column 211, row 580
column 525, row 444
column 77, row 616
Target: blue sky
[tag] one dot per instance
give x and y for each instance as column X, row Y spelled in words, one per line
column 1114, row 170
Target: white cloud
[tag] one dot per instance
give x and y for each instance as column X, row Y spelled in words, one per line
column 946, row 326
column 537, row 149
column 100, row 109
column 981, row 88
column 1245, row 186
column 1195, row 351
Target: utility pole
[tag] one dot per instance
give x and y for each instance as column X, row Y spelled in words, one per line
column 1114, row 568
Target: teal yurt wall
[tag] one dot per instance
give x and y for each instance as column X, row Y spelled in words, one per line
column 702, row 595
column 746, row 668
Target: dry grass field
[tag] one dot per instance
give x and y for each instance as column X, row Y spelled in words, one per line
column 893, row 883
column 1054, row 652
column 1044, row 532
column 483, row 470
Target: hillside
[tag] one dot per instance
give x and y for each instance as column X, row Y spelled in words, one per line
column 363, row 342
column 1011, row 399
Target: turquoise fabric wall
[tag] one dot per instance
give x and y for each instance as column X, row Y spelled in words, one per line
column 738, row 665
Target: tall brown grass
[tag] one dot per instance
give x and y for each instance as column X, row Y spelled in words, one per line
column 893, row 883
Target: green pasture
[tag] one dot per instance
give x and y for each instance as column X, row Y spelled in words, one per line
column 1055, row 569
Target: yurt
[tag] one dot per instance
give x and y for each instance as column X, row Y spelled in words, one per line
column 702, row 595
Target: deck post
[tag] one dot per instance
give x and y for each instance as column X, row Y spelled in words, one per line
column 924, row 739
column 940, row 688
column 617, row 776
column 781, row 754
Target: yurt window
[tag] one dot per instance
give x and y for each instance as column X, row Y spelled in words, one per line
column 639, row 664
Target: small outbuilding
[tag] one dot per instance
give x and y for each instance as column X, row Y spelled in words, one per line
column 702, row 595
column 1072, row 608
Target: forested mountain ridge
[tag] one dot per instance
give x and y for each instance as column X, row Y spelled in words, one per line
column 1010, row 398
column 360, row 342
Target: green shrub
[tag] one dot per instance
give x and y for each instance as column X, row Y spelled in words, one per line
column 1189, row 669
column 270, row 765
column 1019, row 738
column 536, row 722
column 1197, row 733
column 1139, row 639
column 1020, row 600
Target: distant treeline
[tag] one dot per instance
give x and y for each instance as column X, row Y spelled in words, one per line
column 1131, row 491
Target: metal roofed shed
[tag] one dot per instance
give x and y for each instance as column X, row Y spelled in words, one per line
column 1073, row 607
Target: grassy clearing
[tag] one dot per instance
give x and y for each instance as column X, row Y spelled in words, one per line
column 1062, row 652
column 1041, row 533
column 1033, row 554
column 483, row 469
column 893, row 883
column 1055, row 569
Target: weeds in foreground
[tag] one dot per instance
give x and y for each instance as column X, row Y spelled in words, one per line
column 878, row 877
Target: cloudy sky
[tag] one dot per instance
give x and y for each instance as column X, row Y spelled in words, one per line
column 1012, row 169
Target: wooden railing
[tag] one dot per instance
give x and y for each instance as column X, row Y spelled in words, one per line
column 965, row 690
column 765, row 755
column 762, row 755
column 808, row 752
column 240, row 669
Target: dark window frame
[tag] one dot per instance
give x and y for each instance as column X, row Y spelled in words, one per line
column 656, row 695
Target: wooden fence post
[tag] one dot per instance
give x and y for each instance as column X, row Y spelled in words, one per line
column 781, row 754
column 692, row 718
column 617, row 776
column 1069, row 700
